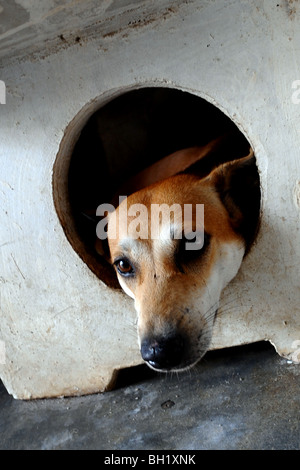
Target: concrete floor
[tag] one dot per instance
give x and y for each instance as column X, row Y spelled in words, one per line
column 239, row 398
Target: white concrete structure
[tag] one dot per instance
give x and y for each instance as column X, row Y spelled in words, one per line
column 62, row 330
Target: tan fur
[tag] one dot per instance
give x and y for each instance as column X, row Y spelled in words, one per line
column 176, row 302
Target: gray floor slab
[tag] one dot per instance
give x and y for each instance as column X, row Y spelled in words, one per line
column 240, row 398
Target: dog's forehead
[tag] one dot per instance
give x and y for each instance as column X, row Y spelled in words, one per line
column 136, row 248
column 121, row 237
column 147, row 246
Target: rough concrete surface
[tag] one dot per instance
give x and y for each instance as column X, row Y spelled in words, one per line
column 237, row 398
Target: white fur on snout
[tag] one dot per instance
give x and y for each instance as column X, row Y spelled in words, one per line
column 230, row 260
column 204, row 305
column 225, row 268
column 125, row 287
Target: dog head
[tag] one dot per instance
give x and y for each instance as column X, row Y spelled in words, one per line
column 175, row 275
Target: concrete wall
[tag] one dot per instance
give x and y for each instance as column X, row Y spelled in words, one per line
column 62, row 330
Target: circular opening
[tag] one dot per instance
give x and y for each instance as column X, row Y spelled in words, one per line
column 102, row 148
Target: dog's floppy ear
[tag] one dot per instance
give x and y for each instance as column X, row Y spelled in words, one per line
column 237, row 183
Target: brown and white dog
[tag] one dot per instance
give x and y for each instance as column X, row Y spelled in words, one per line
column 176, row 291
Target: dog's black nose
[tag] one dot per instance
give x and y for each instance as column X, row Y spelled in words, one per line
column 164, row 352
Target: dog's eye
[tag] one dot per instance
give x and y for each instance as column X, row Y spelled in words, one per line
column 124, row 267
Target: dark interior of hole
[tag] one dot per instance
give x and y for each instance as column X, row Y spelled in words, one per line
column 127, row 135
